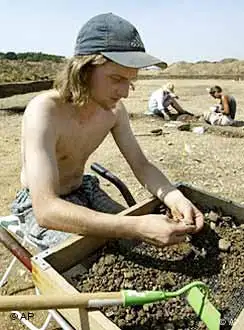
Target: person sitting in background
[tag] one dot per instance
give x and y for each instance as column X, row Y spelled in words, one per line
column 224, row 112
column 161, row 100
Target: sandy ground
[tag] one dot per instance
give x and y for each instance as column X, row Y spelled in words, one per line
column 210, row 162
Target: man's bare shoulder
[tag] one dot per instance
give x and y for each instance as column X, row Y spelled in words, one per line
column 121, row 115
column 120, row 110
column 226, row 97
column 44, row 103
column 45, row 112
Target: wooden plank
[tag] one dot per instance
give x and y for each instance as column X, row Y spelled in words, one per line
column 210, row 201
column 239, row 323
column 10, row 89
column 17, row 109
column 49, row 281
column 73, row 250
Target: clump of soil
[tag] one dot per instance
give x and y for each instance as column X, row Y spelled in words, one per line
column 214, row 256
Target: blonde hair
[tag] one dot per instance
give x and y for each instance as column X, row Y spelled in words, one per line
column 169, row 86
column 72, row 82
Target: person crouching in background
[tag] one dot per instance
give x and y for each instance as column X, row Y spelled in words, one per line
column 223, row 113
column 161, row 100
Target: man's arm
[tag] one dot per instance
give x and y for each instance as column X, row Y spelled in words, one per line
column 40, row 138
column 148, row 175
column 179, row 108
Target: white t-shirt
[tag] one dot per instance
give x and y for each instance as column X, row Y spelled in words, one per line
column 159, row 100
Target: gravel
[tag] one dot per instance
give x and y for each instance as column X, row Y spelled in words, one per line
column 214, row 256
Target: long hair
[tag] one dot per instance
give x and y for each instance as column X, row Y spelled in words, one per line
column 72, row 82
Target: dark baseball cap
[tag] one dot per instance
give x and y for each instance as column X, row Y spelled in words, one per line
column 116, row 39
column 214, row 89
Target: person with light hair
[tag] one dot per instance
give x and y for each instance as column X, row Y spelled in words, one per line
column 223, row 113
column 63, row 127
column 162, row 99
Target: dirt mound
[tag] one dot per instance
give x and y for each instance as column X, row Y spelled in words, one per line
column 215, row 68
column 225, row 67
column 17, row 70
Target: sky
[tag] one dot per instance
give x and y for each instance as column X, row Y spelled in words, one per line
column 173, row 30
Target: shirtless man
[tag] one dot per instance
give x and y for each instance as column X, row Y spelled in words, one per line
column 62, row 127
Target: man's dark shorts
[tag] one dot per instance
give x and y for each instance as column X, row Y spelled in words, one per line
column 89, row 194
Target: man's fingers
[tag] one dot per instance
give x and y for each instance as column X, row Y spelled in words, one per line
column 193, row 217
column 176, row 239
column 181, row 228
column 188, row 216
column 177, row 216
column 199, row 220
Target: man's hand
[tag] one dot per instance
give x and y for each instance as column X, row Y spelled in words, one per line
column 161, row 231
column 183, row 210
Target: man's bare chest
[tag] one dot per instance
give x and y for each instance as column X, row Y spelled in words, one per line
column 78, row 140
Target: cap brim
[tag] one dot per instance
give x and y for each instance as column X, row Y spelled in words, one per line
column 135, row 59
